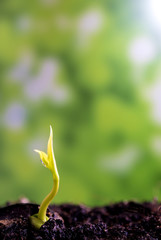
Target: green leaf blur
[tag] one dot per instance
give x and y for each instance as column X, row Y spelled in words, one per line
column 91, row 69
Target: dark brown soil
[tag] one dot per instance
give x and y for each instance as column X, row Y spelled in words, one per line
column 129, row 220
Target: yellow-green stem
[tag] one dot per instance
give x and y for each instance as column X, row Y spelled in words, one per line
column 45, row 203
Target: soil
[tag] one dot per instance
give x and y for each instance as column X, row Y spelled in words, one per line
column 124, row 220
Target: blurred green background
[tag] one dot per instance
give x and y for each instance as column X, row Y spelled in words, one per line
column 91, row 69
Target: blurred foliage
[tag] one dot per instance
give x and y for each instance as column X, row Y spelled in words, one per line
column 76, row 65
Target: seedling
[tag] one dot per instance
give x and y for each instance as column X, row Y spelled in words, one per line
column 48, row 160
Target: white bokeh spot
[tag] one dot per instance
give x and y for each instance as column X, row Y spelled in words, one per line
column 153, row 95
column 88, row 24
column 24, row 23
column 153, row 8
column 156, row 145
column 45, row 84
column 142, row 50
column 122, row 161
column 37, row 143
column 14, row 116
column 21, row 70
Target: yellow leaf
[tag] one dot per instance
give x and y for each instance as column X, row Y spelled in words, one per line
column 43, row 157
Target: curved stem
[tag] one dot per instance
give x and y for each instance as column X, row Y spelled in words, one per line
column 45, row 203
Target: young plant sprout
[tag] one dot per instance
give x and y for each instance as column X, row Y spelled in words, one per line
column 48, row 160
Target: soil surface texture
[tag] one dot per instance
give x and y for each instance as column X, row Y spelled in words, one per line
column 124, row 220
